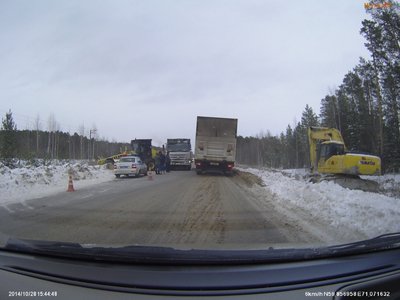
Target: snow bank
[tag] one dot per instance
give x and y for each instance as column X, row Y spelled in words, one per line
column 32, row 181
column 328, row 203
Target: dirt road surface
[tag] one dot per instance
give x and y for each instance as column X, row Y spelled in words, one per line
column 178, row 209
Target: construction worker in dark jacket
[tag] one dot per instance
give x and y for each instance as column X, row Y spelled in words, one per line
column 157, row 161
column 168, row 162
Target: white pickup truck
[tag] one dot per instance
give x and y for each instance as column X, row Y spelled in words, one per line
column 215, row 144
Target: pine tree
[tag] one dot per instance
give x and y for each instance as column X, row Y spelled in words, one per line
column 392, row 124
column 383, row 41
column 373, row 97
column 8, row 148
column 291, row 147
column 308, row 119
column 373, row 34
column 360, row 123
column 329, row 112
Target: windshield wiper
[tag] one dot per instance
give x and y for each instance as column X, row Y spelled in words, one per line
column 169, row 255
column 381, row 242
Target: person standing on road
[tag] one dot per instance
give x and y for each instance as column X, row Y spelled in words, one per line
column 168, row 163
column 157, row 161
column 162, row 162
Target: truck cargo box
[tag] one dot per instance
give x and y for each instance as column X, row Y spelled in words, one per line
column 215, row 144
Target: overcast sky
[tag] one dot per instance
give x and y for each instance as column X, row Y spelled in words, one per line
column 146, row 69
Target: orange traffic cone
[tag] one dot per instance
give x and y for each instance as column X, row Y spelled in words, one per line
column 70, row 185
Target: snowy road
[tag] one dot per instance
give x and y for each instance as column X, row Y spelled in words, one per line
column 180, row 208
column 254, row 208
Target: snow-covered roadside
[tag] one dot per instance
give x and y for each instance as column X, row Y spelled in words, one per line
column 29, row 182
column 350, row 212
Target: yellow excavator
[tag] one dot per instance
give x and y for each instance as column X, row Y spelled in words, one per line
column 329, row 156
column 111, row 159
column 140, row 147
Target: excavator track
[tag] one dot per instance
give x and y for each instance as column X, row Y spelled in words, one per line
column 352, row 182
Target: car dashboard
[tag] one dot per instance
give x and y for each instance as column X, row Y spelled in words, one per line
column 367, row 276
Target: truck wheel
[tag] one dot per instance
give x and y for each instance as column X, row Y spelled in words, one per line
column 117, row 175
column 199, row 172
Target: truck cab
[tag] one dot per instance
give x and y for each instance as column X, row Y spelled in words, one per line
column 180, row 153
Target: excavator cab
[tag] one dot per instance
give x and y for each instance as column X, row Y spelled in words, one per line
column 327, row 149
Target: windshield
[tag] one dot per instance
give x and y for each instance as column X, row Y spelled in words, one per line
column 328, row 150
column 127, row 159
column 85, row 83
column 183, row 147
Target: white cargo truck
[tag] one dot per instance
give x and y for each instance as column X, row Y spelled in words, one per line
column 215, row 144
column 180, row 153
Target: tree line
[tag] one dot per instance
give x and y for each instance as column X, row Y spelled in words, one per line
column 288, row 150
column 365, row 107
column 51, row 144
